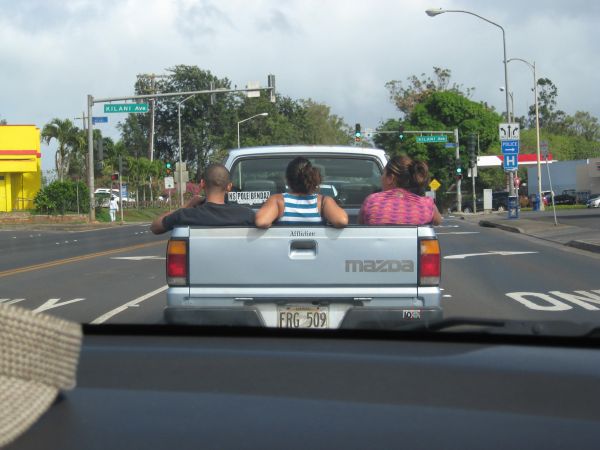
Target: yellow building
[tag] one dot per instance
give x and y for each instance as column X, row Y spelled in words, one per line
column 20, row 166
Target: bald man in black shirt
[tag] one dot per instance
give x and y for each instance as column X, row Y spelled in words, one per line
column 212, row 211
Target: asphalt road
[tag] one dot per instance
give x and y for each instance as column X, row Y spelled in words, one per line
column 116, row 275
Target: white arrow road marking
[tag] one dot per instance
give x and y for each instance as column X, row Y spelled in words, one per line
column 459, row 232
column 55, row 303
column 137, row 258
column 133, row 303
column 501, row 253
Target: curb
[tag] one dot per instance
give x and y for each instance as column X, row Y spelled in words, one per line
column 583, row 245
column 511, row 228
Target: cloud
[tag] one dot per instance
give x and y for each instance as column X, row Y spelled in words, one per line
column 55, row 53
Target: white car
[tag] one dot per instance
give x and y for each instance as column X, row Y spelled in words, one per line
column 594, row 201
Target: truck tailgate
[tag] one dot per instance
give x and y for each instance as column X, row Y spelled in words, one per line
column 304, row 257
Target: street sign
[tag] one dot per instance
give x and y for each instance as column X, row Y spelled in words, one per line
column 124, row 191
column 450, row 145
column 509, row 131
column 253, row 85
column 509, row 147
column 511, row 162
column 434, row 185
column 169, row 183
column 432, row 138
column 99, row 119
column 126, row 108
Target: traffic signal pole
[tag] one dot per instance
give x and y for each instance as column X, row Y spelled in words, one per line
column 91, row 101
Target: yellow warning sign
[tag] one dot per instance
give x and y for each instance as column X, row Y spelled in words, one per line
column 434, row 185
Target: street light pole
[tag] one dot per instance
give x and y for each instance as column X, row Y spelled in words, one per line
column 242, row 121
column 436, row 12
column 537, row 130
column 180, row 181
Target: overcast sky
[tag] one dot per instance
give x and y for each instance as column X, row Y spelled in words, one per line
column 55, row 52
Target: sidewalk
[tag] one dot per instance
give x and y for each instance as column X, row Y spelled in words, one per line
column 572, row 236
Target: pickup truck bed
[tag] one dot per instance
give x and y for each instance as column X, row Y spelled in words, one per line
column 357, row 277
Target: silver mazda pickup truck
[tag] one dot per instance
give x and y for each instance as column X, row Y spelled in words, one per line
column 304, row 276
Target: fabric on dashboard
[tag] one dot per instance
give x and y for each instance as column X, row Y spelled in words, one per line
column 38, row 357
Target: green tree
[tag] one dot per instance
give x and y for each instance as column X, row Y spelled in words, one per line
column 417, row 89
column 551, row 118
column 68, row 138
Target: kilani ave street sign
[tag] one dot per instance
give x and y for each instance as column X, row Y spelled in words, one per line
column 432, row 138
column 126, row 108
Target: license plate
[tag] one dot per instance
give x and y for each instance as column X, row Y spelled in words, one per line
column 303, row 317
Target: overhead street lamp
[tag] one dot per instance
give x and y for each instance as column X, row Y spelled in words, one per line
column 180, row 181
column 437, row 12
column 245, row 120
column 537, row 129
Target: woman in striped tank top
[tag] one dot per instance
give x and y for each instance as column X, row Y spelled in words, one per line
column 401, row 201
column 302, row 205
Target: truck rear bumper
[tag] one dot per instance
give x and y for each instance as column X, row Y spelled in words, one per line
column 355, row 318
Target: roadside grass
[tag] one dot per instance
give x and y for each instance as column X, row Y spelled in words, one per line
column 141, row 215
column 549, row 207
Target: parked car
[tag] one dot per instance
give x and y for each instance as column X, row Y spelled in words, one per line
column 594, row 201
column 500, row 201
column 568, row 197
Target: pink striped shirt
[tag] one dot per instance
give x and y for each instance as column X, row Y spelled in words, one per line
column 396, row 207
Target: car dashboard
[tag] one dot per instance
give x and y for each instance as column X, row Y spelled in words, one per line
column 163, row 387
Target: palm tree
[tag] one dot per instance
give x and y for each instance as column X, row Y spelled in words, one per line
column 66, row 134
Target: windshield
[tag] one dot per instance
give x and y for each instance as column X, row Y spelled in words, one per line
column 445, row 163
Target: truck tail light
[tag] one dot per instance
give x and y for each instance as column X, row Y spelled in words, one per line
column 430, row 266
column 177, row 262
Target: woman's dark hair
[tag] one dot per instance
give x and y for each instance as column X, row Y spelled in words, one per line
column 408, row 174
column 302, row 177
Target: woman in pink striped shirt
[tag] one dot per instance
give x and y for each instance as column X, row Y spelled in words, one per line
column 399, row 203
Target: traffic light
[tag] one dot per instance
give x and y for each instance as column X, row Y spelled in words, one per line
column 458, row 172
column 169, row 169
column 357, row 133
column 401, row 132
column 115, row 176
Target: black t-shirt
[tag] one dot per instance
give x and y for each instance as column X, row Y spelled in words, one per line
column 211, row 215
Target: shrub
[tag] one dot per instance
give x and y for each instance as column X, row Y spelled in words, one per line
column 61, row 197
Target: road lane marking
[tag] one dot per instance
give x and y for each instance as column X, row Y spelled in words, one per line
column 459, row 232
column 55, row 303
column 8, row 301
column 491, row 252
column 60, row 262
column 133, row 303
column 138, row 258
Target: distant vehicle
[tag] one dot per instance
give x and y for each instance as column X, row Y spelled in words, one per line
column 568, row 197
column 500, row 201
column 594, row 201
column 547, row 197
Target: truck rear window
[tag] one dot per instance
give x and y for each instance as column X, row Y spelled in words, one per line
column 347, row 180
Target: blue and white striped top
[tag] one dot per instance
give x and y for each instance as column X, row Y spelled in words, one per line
column 300, row 209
